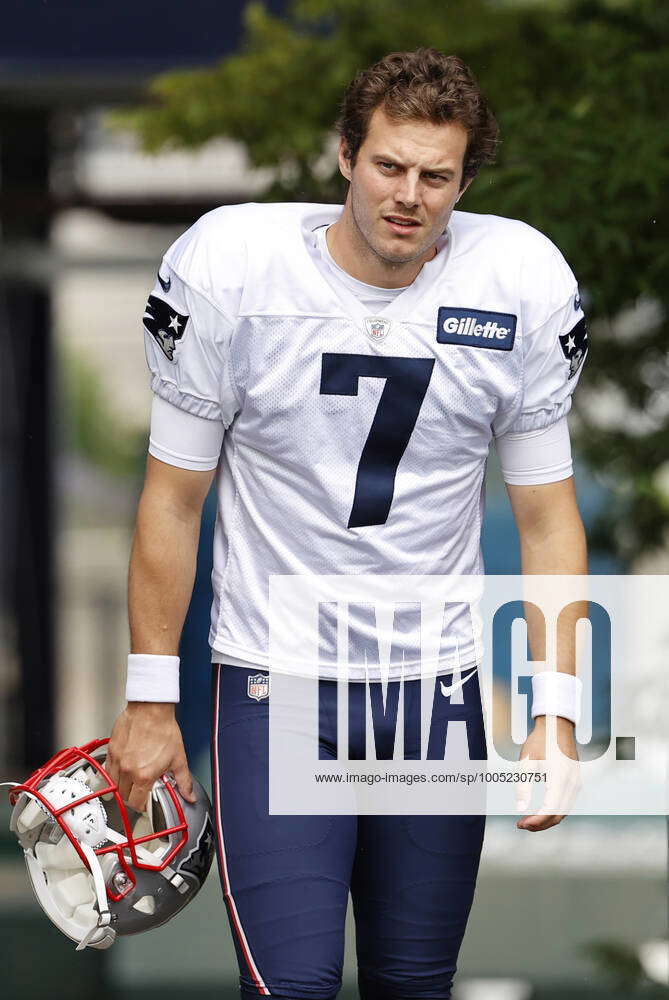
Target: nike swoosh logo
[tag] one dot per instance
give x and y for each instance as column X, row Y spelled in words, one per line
column 165, row 285
column 448, row 689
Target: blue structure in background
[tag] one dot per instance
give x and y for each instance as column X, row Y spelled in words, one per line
column 125, row 36
column 501, row 553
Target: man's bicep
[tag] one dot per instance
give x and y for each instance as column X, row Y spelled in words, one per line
column 184, row 450
column 182, row 489
column 538, row 506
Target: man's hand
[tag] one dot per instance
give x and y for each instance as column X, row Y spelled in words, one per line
column 559, row 759
column 145, row 743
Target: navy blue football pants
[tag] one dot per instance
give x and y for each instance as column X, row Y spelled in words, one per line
column 286, row 879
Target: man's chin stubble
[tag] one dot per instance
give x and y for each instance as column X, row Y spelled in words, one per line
column 395, row 259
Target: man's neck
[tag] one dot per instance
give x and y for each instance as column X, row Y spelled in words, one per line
column 352, row 253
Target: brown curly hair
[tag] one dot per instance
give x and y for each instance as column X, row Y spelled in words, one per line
column 421, row 85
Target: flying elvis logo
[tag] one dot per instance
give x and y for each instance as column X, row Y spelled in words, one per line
column 476, row 328
column 574, row 346
column 165, row 325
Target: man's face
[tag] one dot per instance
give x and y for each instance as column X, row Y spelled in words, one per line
column 405, row 184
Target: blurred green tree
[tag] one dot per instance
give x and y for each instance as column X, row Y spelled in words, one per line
column 87, row 417
column 618, row 964
column 580, row 90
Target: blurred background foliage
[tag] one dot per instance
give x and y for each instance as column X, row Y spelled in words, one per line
column 91, row 427
column 580, row 91
column 619, row 965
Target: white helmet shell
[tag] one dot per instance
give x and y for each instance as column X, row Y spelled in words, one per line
column 97, row 869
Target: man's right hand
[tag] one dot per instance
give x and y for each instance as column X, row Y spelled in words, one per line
column 145, row 743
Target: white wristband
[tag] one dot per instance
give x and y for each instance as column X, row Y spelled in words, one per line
column 556, row 693
column 152, row 678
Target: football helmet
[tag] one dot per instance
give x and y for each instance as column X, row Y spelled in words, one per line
column 97, row 867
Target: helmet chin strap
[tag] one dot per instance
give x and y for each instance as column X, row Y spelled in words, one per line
column 104, row 916
column 100, row 935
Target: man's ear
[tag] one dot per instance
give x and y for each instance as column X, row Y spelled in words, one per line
column 344, row 160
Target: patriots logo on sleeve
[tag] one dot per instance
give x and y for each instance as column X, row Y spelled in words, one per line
column 165, row 324
column 575, row 346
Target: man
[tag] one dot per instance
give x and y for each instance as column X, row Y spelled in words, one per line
column 345, row 370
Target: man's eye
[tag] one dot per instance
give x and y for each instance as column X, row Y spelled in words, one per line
column 387, row 166
column 436, row 177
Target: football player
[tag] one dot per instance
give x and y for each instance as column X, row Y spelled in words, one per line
column 342, row 371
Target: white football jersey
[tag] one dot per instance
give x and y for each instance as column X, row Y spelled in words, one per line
column 356, row 443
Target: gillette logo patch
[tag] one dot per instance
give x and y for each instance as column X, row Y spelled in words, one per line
column 476, row 328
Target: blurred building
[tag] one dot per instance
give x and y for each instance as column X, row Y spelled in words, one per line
column 59, row 63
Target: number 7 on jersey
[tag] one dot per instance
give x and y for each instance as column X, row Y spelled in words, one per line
column 406, row 380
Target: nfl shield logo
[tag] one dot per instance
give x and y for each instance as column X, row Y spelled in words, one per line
column 258, row 686
column 377, row 328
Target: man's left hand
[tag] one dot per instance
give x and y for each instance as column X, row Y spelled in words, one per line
column 559, row 759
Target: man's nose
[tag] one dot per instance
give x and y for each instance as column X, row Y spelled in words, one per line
column 406, row 192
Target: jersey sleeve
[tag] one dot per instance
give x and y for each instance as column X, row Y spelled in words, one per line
column 555, row 340
column 182, row 439
column 533, row 458
column 187, row 342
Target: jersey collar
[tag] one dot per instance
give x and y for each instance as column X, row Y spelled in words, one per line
column 401, row 308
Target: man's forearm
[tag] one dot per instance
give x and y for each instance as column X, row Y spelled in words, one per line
column 559, row 549
column 162, row 572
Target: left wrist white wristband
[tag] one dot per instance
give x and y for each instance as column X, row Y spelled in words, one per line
column 152, row 678
column 556, row 693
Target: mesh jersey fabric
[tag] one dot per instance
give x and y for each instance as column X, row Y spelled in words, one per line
column 188, row 442
column 262, row 324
